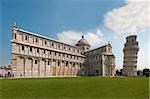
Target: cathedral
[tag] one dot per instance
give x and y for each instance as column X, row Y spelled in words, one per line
column 34, row 55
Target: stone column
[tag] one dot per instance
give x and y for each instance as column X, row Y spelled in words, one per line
column 36, row 67
column 14, row 66
column 51, row 67
column 39, row 67
column 66, row 68
column 24, row 60
column 77, row 69
column 54, row 67
column 32, row 68
column 103, row 66
column 28, row 66
column 74, row 69
column 58, row 68
column 62, row 68
column 20, row 67
column 70, row 67
column 48, row 68
column 68, row 73
column 42, row 67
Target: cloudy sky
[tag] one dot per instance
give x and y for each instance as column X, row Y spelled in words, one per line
column 100, row 21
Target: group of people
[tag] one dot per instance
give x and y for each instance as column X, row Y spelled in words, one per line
column 5, row 75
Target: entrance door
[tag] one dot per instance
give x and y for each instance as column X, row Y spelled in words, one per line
column 97, row 72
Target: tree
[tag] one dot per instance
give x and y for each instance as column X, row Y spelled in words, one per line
column 121, row 71
column 117, row 72
column 146, row 72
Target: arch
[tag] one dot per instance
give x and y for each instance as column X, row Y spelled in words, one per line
column 35, row 68
column 58, row 68
column 66, row 68
column 48, row 68
column 42, row 67
column 62, row 68
column 20, row 68
column 28, row 66
column 70, row 68
column 54, row 67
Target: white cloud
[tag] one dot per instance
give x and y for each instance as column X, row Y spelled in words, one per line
column 71, row 37
column 130, row 19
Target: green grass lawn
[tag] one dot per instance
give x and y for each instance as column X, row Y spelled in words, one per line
column 75, row 88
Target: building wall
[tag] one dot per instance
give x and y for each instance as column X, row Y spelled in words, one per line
column 100, row 61
column 109, row 65
column 5, row 71
column 34, row 55
column 37, row 56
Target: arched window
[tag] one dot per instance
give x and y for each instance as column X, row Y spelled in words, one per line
column 36, row 40
column 26, row 38
column 52, row 44
column 58, row 63
column 73, row 64
column 45, row 42
column 15, row 36
column 37, row 50
column 48, row 63
column 66, row 64
column 30, row 49
column 22, row 47
column 35, row 61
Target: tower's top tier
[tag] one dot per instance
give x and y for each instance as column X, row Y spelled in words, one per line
column 131, row 38
column 131, row 43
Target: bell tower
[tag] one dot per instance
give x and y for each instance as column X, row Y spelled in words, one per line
column 130, row 56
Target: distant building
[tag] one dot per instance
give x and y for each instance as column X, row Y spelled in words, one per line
column 5, row 71
column 35, row 55
column 130, row 56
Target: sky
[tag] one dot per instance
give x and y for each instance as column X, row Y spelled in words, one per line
column 100, row 21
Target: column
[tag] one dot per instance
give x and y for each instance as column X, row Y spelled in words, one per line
column 70, row 68
column 28, row 64
column 35, row 68
column 54, row 67
column 61, row 68
column 103, row 66
column 48, row 68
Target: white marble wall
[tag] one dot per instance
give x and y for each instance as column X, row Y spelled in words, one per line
column 28, row 48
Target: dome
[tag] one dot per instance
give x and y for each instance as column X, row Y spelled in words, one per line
column 83, row 41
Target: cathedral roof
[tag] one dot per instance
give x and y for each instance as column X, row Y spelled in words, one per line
column 83, row 41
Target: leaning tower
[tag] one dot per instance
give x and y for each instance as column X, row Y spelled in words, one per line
column 130, row 56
